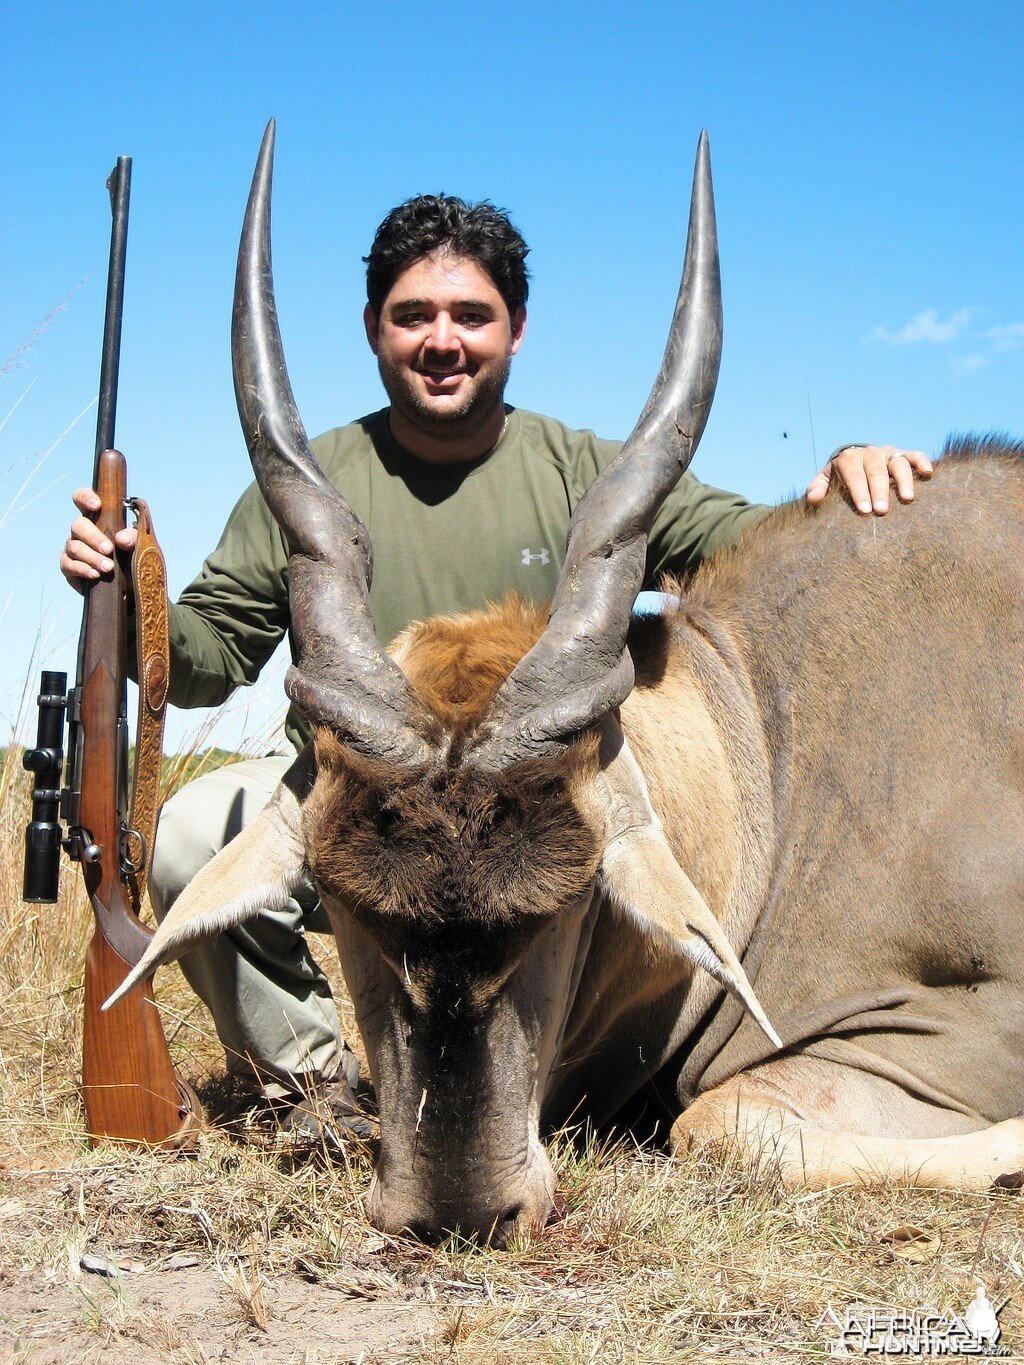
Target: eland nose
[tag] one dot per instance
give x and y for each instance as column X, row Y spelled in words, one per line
column 491, row 1224
column 475, row 1199
column 488, row 1231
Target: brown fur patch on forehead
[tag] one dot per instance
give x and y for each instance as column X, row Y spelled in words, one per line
column 452, row 845
column 455, row 664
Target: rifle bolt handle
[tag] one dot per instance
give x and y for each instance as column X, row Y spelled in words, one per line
column 91, row 853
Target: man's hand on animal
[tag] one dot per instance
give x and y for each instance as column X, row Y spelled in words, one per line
column 87, row 551
column 867, row 473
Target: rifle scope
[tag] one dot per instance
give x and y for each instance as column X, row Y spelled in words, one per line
column 46, row 761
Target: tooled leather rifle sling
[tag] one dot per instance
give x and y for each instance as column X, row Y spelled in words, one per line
column 149, row 586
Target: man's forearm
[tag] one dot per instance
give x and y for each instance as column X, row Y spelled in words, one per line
column 206, row 666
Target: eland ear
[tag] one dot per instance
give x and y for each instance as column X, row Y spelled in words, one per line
column 258, row 870
column 641, row 877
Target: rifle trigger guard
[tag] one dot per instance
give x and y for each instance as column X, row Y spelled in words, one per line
column 131, row 865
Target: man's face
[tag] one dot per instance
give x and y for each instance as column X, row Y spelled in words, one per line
column 444, row 341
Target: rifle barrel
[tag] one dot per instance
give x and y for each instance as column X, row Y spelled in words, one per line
column 119, row 184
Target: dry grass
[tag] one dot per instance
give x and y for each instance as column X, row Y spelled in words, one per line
column 256, row 1250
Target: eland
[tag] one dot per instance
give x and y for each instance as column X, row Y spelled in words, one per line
column 763, row 852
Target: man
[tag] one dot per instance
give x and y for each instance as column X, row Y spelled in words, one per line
column 464, row 499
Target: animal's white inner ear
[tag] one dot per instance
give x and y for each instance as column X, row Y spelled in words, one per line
column 642, row 878
column 258, row 870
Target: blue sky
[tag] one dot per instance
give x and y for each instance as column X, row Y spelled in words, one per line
column 868, row 173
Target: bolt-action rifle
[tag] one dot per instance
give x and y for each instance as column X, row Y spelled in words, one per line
column 129, row 1085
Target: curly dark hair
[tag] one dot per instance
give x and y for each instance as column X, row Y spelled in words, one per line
column 430, row 222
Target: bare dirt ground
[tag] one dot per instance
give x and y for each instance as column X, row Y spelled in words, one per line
column 161, row 1314
column 157, row 1259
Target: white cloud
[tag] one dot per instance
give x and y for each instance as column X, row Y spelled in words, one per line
column 1008, row 338
column 968, row 364
column 924, row 327
column 988, row 342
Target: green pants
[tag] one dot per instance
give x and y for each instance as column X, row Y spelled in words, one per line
column 269, row 999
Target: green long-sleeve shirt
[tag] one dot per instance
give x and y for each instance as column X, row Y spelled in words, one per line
column 445, row 539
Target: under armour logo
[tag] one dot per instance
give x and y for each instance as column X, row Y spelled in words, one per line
column 541, row 556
